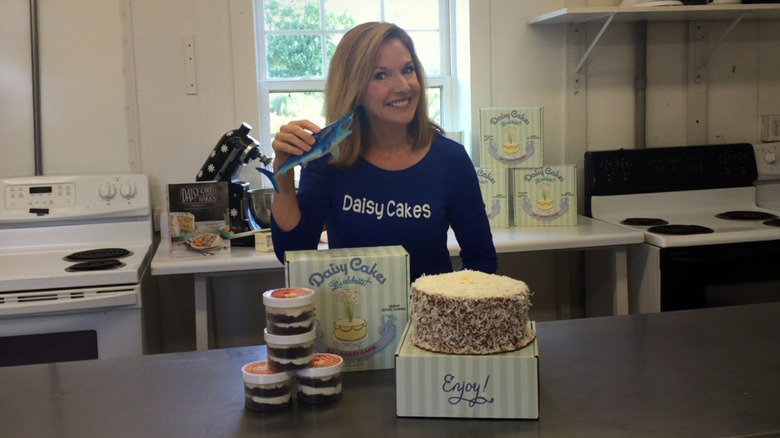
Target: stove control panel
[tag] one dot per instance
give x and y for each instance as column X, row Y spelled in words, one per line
column 74, row 197
column 768, row 158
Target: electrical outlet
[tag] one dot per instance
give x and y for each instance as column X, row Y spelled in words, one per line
column 156, row 212
column 770, row 127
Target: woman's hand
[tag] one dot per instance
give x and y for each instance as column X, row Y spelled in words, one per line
column 294, row 138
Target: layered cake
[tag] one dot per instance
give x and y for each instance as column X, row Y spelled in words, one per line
column 470, row 312
column 180, row 223
column 290, row 353
column 322, row 382
column 264, row 388
column 289, row 311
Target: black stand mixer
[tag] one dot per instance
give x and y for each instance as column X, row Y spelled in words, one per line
column 234, row 150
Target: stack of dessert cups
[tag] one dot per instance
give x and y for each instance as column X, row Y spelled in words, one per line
column 289, row 337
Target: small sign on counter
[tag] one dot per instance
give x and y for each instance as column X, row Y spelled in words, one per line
column 263, row 242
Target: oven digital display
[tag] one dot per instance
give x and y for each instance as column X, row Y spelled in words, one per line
column 40, row 190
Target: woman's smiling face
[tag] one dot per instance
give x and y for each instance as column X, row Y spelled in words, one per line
column 393, row 92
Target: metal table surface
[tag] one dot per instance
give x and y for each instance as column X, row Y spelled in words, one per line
column 698, row 373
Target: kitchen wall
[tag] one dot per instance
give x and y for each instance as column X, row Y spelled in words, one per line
column 117, row 99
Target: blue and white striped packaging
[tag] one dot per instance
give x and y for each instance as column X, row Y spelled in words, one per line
column 504, row 385
column 361, row 301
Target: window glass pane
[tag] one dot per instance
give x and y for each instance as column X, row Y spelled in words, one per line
column 413, row 14
column 291, row 14
column 294, row 56
column 345, row 14
column 428, row 47
column 296, row 105
column 434, row 104
column 333, row 41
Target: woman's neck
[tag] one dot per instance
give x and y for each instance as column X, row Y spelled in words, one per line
column 392, row 150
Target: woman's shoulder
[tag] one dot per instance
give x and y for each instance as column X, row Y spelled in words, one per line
column 445, row 147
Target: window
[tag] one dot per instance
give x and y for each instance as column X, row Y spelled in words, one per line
column 296, row 39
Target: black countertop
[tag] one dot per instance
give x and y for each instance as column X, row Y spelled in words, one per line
column 698, row 373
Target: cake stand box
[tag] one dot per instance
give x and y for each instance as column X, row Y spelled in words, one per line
column 495, row 190
column 511, row 137
column 546, row 196
column 361, row 301
column 504, row 385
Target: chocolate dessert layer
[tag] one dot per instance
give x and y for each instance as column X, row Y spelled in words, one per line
column 266, row 391
column 289, row 353
column 287, row 318
column 317, row 382
column 317, row 398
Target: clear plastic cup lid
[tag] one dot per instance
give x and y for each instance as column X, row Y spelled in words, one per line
column 260, row 373
column 289, row 339
column 288, row 297
column 325, row 364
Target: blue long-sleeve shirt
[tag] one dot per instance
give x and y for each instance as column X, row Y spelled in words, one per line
column 368, row 206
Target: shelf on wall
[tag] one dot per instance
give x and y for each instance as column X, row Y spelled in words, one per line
column 662, row 13
column 733, row 13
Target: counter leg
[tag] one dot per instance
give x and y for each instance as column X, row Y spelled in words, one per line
column 620, row 267
column 201, row 312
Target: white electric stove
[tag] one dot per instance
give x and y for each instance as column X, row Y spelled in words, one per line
column 707, row 241
column 74, row 260
column 768, row 182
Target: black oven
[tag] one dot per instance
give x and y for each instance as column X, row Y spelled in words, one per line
column 720, row 275
column 707, row 242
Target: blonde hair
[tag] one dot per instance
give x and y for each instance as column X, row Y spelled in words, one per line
column 351, row 69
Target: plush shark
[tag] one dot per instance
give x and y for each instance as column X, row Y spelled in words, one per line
column 328, row 138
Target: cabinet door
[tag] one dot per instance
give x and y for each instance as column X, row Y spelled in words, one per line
column 16, row 112
column 84, row 107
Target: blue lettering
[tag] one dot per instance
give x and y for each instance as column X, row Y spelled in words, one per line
column 462, row 389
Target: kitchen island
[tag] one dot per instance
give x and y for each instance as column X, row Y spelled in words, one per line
column 589, row 235
column 693, row 373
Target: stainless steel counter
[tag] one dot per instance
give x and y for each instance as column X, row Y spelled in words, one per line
column 699, row 373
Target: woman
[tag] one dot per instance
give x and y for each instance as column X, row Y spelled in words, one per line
column 397, row 180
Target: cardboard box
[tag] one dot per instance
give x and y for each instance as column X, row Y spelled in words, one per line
column 511, row 137
column 361, row 301
column 494, row 185
column 195, row 213
column 546, row 196
column 502, row 385
column 263, row 241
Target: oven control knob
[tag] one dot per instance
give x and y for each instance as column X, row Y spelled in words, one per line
column 107, row 191
column 128, row 190
column 770, row 157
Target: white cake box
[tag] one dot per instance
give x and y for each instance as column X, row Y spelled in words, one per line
column 504, row 385
column 361, row 301
column 546, row 196
column 494, row 185
column 511, row 137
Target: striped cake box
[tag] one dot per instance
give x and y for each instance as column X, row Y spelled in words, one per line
column 503, row 385
column 361, row 301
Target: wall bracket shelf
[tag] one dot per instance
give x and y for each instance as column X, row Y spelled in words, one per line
column 733, row 13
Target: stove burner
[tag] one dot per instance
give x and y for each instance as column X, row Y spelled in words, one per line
column 746, row 215
column 95, row 265
column 643, row 221
column 98, row 254
column 773, row 222
column 680, row 229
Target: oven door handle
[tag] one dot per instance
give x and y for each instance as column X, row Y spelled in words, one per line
column 69, row 300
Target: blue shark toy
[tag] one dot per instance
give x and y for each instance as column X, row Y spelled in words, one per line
column 328, row 138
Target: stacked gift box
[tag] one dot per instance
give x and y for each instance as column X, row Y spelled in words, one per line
column 518, row 189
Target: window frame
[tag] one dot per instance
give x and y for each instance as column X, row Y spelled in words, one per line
column 266, row 86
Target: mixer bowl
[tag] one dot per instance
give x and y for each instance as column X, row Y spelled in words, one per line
column 260, row 201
